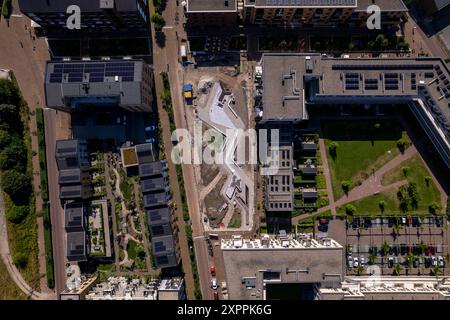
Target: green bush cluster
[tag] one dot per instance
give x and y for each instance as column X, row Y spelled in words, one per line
column 157, row 18
column 190, row 241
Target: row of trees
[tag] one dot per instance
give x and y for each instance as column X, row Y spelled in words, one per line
column 157, row 18
column 15, row 179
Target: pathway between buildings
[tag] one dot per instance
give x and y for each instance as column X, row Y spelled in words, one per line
column 369, row 187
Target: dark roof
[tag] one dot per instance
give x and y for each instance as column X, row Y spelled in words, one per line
column 153, row 184
column 76, row 246
column 163, row 245
column 309, row 146
column 31, row 6
column 158, row 216
column 151, row 169
column 69, row 176
column 309, row 170
column 71, row 192
column 155, row 200
column 74, row 216
column 211, row 5
column 145, row 153
column 160, row 230
column 309, row 195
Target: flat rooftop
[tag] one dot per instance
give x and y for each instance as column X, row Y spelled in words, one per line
column 302, row 3
column 286, row 78
column 72, row 83
column 211, row 5
column 35, row 6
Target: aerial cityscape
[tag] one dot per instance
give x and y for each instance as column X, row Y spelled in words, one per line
column 235, row 150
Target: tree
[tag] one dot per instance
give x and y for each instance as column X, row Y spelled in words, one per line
column 372, row 258
column 333, row 149
column 20, row 259
column 13, row 156
column 422, row 247
column 16, row 214
column 350, row 209
column 158, row 21
column 382, row 205
column 385, row 249
column 5, row 139
column 401, row 145
column 405, row 170
column 346, row 186
column 359, row 270
column 8, row 93
column 434, row 207
column 397, row 269
column 435, row 271
column 17, row 185
column 428, row 180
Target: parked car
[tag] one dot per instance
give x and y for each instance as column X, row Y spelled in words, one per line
column 434, row 261
column 350, row 262
column 403, row 221
column 427, row 262
column 214, row 284
column 355, row 262
column 441, row 262
column 349, row 250
column 212, row 269
column 362, row 261
column 150, row 128
column 416, row 262
column 391, row 262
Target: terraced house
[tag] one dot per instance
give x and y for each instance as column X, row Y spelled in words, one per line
column 297, row 12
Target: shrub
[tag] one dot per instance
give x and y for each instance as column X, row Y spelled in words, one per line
column 401, row 145
column 158, row 21
column 14, row 156
column 434, row 207
column 405, row 170
column 20, row 259
column 428, row 180
column 382, row 205
column 333, row 149
column 346, row 186
column 350, row 209
column 16, row 184
column 16, row 214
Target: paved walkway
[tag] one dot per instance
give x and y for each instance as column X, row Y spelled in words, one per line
column 5, row 254
column 26, row 57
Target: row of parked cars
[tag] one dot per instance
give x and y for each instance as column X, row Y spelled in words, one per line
column 367, row 222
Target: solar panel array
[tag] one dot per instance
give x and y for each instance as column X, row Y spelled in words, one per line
column 160, row 246
column 310, row 2
column 382, row 67
column 371, row 84
column 391, row 81
column 413, row 81
column 352, row 81
column 92, row 72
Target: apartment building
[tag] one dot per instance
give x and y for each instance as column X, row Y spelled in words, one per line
column 301, row 267
column 157, row 202
column 84, row 85
column 102, row 16
column 295, row 12
column 292, row 83
column 280, row 260
column 73, row 164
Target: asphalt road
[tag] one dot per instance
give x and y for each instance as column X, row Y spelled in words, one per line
column 166, row 59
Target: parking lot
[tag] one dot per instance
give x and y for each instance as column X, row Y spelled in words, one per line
column 416, row 245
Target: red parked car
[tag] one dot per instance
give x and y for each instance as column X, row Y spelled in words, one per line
column 212, row 269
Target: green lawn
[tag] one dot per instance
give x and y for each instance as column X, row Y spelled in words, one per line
column 8, row 289
column 132, row 248
column 428, row 193
column 363, row 146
